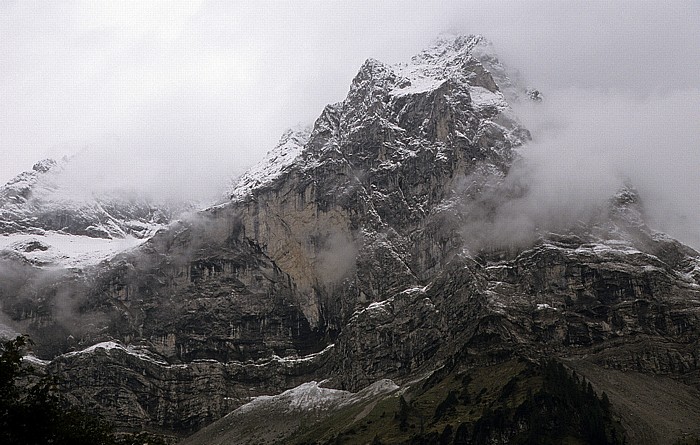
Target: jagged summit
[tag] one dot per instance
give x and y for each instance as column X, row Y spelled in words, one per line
column 449, row 57
column 275, row 162
column 454, row 74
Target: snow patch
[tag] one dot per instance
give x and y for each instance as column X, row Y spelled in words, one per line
column 59, row 250
column 416, row 84
column 305, row 358
column 311, row 396
column 34, row 360
column 384, row 305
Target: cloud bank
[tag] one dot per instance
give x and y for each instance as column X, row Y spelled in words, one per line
column 588, row 145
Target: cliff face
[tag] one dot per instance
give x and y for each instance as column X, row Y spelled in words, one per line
column 138, row 389
column 342, row 257
column 617, row 306
column 366, row 207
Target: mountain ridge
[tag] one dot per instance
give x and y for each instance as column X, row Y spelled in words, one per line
column 349, row 262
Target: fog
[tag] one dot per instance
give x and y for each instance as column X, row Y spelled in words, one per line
column 176, row 98
column 588, row 145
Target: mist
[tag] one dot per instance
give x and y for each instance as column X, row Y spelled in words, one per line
column 586, row 148
column 178, row 98
column 588, row 145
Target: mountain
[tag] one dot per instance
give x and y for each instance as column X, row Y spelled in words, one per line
column 51, row 220
column 350, row 257
column 53, row 228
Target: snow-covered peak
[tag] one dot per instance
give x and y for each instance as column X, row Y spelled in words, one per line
column 452, row 58
column 449, row 50
column 379, row 93
column 41, row 179
column 276, row 161
column 471, row 59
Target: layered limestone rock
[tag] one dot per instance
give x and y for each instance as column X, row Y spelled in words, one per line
column 629, row 303
column 134, row 386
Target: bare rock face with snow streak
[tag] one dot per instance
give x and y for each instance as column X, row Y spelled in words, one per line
column 370, row 186
column 351, row 234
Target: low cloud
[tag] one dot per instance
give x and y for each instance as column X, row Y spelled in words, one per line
column 336, row 258
column 586, row 147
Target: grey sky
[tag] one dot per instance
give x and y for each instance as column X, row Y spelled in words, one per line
column 178, row 97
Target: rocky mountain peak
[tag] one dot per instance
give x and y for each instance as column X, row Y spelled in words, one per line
column 277, row 160
column 44, row 165
column 444, row 94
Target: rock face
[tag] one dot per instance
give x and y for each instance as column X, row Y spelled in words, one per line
column 135, row 386
column 344, row 254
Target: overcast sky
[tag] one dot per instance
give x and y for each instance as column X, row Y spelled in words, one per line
column 181, row 96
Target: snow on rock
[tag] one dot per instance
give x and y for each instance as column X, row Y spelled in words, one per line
column 311, row 396
column 305, row 358
column 34, row 360
column 108, row 346
column 54, row 249
column 376, row 306
column 276, row 161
